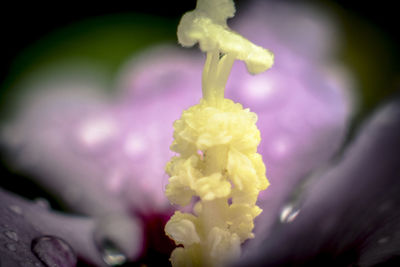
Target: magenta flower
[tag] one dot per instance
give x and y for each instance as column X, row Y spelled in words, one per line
column 104, row 157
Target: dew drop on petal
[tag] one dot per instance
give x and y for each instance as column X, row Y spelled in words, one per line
column 53, row 251
column 16, row 209
column 111, row 254
column 11, row 247
column 11, row 235
column 118, row 238
column 288, row 213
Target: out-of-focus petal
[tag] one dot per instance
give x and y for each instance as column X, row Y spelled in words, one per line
column 306, row 30
column 61, row 139
column 52, row 141
column 161, row 72
column 350, row 215
column 23, row 224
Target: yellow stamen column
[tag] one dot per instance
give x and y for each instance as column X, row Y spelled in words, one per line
column 218, row 169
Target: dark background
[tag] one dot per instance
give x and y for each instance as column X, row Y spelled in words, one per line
column 23, row 24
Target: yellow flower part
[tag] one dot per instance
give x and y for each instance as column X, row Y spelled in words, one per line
column 217, row 171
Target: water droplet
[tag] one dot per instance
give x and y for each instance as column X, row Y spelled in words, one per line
column 289, row 213
column 11, row 235
column 16, row 209
column 111, row 254
column 43, row 203
column 53, row 251
column 119, row 238
column 11, row 247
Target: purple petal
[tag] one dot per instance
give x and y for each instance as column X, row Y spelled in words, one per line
column 350, row 214
column 21, row 222
column 305, row 30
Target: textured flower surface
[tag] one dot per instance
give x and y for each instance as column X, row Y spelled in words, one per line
column 104, row 157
